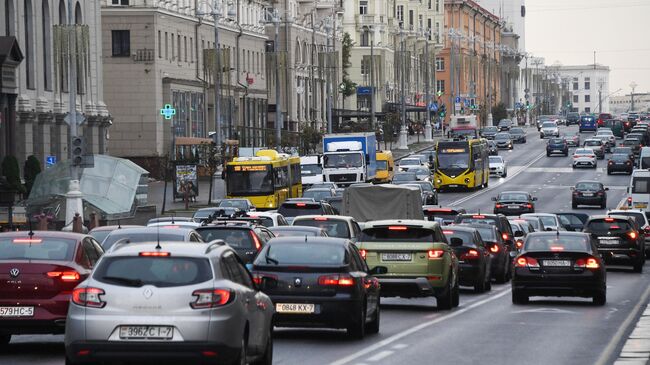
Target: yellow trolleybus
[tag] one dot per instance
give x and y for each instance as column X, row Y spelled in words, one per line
column 462, row 164
column 267, row 179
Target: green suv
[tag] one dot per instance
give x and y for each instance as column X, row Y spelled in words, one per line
column 420, row 262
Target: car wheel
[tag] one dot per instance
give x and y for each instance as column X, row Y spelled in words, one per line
column 445, row 300
column 638, row 267
column 373, row 326
column 574, row 205
column 267, row 357
column 609, row 172
column 455, row 296
column 600, row 299
column 548, row 154
column 479, row 285
column 69, row 361
column 502, row 276
column 518, row 298
column 505, row 173
column 4, row 339
column 357, row 329
column 603, row 205
column 241, row 357
column 487, row 283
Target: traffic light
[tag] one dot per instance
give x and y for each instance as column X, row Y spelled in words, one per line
column 78, row 150
column 442, row 110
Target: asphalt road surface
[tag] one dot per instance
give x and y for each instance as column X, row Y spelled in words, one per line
column 485, row 328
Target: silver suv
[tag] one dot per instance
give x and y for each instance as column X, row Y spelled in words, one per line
column 171, row 301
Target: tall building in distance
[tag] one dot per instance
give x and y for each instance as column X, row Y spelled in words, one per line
column 588, row 85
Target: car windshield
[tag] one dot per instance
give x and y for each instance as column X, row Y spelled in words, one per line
column 317, row 194
column 410, row 161
column 496, row 160
column 311, row 170
column 641, row 185
column 249, row 179
column 502, row 137
column 334, row 227
column 513, row 196
column 557, row 243
column 162, row 272
column 548, row 125
column 608, row 225
column 234, row 203
column 236, row 238
column 588, row 186
column 296, row 209
column 151, row 236
column 467, row 237
column 382, row 165
column 37, row 248
column 453, row 157
column 302, row 254
column 342, row 160
column 397, row 233
column 405, row 177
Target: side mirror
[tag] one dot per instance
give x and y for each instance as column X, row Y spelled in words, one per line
column 455, row 242
column 494, row 198
column 606, row 189
column 572, row 188
column 549, row 229
column 519, row 233
column 534, row 198
column 378, row 270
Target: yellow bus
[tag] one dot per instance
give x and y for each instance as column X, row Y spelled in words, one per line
column 461, row 164
column 267, row 179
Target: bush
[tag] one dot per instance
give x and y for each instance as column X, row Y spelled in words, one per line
column 31, row 170
column 11, row 171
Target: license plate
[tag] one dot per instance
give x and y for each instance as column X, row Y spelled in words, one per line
column 587, row 194
column 453, row 186
column 294, row 308
column 16, row 311
column 608, row 240
column 513, row 207
column 560, row 263
column 557, row 151
column 396, row 257
column 146, row 332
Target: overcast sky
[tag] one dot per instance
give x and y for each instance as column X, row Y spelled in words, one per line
column 569, row 31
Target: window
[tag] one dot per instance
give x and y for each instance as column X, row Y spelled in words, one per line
column 576, row 99
column 29, row 44
column 587, row 98
column 587, row 83
column 440, row 64
column 587, row 110
column 365, row 37
column 191, row 50
column 121, row 43
column 172, row 42
column 400, row 13
column 364, row 67
column 420, row 21
column 178, row 41
column 575, row 83
column 437, row 6
column 159, row 45
column 440, row 86
column 9, row 17
column 429, row 28
column 47, row 53
column 166, row 47
column 438, row 31
column 185, row 47
column 411, row 18
column 363, row 7
column 120, row 2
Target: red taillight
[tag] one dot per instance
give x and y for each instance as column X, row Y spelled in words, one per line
column 528, row 262
column 470, row 255
column 504, row 236
column 447, row 232
column 320, row 218
column 256, row 240
column 88, row 297
column 557, row 248
column 363, row 254
column 211, row 298
column 258, row 277
column 155, row 254
column 529, row 206
column 632, row 235
column 397, row 228
column 301, row 204
column 435, row 254
column 478, row 216
column 336, row 280
column 497, row 205
column 174, row 226
column 627, row 163
column 629, row 201
column 590, row 263
column 494, row 248
column 609, row 219
column 519, row 244
column 64, row 275
column 610, row 163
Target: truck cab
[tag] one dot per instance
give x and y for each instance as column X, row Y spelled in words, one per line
column 349, row 158
column 639, row 190
column 385, row 167
column 311, row 170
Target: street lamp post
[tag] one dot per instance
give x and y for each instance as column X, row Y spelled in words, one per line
column 274, row 18
column 428, row 137
column 403, row 136
column 633, row 85
column 328, row 76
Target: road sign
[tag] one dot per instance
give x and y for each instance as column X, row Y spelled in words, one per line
column 457, row 99
column 457, row 106
column 364, row 90
column 50, row 161
column 80, row 119
column 433, row 107
column 168, row 111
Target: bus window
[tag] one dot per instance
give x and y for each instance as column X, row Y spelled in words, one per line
column 249, row 180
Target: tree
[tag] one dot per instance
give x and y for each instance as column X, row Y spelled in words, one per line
column 11, row 171
column 310, row 138
column 499, row 112
column 348, row 88
column 31, row 169
column 391, row 128
column 213, row 161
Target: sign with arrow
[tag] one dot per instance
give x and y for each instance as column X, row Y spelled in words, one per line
column 81, row 119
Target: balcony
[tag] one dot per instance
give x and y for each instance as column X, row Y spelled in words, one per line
column 144, row 55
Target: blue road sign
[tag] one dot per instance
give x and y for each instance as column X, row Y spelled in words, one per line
column 458, row 99
column 50, row 161
column 168, row 111
column 433, row 107
column 364, row 90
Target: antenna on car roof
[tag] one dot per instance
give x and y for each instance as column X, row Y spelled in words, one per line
column 158, row 238
column 31, row 232
column 119, row 225
column 173, row 219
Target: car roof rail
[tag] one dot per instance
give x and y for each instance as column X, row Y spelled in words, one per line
column 214, row 244
column 119, row 244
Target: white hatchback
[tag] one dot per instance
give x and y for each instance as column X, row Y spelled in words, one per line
column 498, row 166
column 584, row 157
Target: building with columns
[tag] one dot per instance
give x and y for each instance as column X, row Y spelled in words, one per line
column 588, row 84
column 34, row 91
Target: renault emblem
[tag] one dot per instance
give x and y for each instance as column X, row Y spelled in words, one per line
column 147, row 293
column 297, row 282
column 14, row 272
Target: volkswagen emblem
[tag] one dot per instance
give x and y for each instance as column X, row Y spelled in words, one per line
column 297, row 282
column 14, row 272
column 147, row 293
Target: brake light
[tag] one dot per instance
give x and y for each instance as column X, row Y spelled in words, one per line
column 301, row 204
column 363, row 254
column 494, row 248
column 519, row 244
column 529, row 206
column 211, row 298
column 557, row 248
column 629, row 201
column 27, row 240
column 610, row 163
column 256, row 240
column 528, row 262
column 632, row 235
column 88, row 297
column 609, row 219
column 504, row 236
column 470, row 255
column 397, row 228
column 336, row 280
column 590, row 263
column 478, row 216
column 447, row 232
column 172, row 226
column 498, row 205
column 155, row 254
column 64, row 275
column 435, row 254
column 258, row 277
column 320, row 218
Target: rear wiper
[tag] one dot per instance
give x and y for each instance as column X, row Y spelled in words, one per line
column 270, row 260
column 127, row 281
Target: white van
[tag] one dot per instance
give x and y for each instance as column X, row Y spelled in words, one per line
column 639, row 190
column 311, row 170
column 644, row 158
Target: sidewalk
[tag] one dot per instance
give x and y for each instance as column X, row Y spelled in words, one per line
column 156, row 188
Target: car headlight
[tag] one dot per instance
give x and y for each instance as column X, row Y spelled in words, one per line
column 439, row 181
column 466, row 180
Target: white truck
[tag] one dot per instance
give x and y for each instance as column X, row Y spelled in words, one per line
column 311, row 170
column 463, row 126
column 639, row 191
column 349, row 158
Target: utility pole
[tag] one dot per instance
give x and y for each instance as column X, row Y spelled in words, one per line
column 633, row 85
column 403, row 142
column 452, row 76
column 328, row 86
column 427, row 129
column 372, row 79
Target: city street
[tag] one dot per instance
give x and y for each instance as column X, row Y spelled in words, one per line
column 485, row 326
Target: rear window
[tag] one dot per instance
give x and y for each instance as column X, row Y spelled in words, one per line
column 621, row 157
column 317, row 194
column 534, row 223
column 593, row 142
column 234, row 237
column 162, row 272
column 478, row 219
column 556, row 141
column 99, row 235
column 467, row 237
column 513, row 197
column 311, row 170
column 487, row 233
column 296, row 209
column 639, row 217
column 333, row 227
column 22, row 248
column 304, row 254
column 589, row 186
column 293, row 233
column 140, row 237
column 641, row 185
column 397, row 233
column 557, row 243
column 603, row 225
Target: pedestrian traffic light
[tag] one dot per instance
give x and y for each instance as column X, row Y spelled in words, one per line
column 78, row 150
column 442, row 110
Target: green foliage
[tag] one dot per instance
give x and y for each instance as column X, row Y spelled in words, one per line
column 348, row 88
column 499, row 112
column 31, row 169
column 310, row 139
column 11, row 171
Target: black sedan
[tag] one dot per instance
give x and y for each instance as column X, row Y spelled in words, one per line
column 319, row 282
column 474, row 258
column 489, row 132
column 620, row 163
column 493, row 150
column 518, row 135
column 589, row 193
column 499, row 250
column 559, row 264
column 557, row 146
column 514, row 203
column 624, row 150
column 618, row 239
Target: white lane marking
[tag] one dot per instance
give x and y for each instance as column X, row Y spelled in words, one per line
column 380, row 356
column 613, row 343
column 412, row 330
column 502, row 181
column 400, row 346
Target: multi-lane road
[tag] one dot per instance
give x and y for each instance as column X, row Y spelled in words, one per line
column 485, row 328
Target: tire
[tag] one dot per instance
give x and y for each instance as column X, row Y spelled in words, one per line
column 267, row 357
column 609, row 172
column 574, row 205
column 357, row 329
column 241, row 357
column 445, row 300
column 487, row 284
column 547, row 155
column 502, row 276
column 373, row 326
column 505, row 173
column 638, row 267
column 455, row 296
column 518, row 298
column 4, row 339
column 68, row 361
column 600, row 299
column 479, row 286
